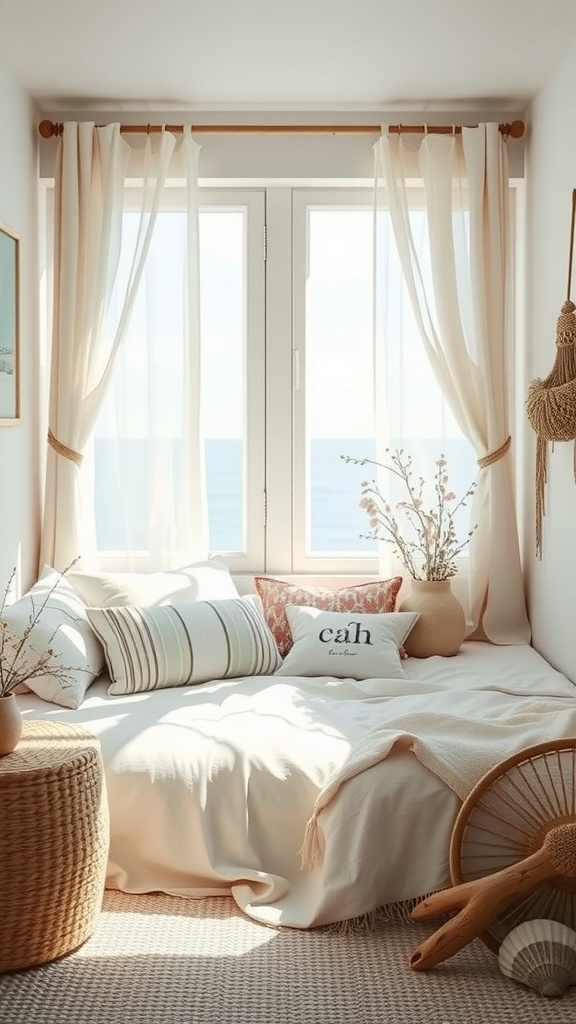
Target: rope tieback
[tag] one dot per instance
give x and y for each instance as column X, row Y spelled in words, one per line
column 496, row 455
column 63, row 449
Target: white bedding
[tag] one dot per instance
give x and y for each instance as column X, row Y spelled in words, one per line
column 211, row 787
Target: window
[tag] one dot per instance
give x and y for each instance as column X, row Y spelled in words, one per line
column 146, row 398
column 335, row 398
column 334, row 392
column 287, row 383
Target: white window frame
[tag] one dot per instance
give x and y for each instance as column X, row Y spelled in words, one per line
column 254, row 330
column 303, row 201
column 254, row 358
column 274, row 406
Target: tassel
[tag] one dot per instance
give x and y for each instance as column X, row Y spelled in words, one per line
column 541, row 478
column 310, row 851
column 551, row 403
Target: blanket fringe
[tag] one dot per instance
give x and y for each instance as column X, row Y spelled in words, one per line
column 390, row 913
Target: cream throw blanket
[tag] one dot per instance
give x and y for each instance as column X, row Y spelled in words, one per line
column 459, row 749
column 221, row 788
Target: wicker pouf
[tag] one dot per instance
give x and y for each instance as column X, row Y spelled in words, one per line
column 54, row 839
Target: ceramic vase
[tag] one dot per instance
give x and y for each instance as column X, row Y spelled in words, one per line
column 441, row 626
column 10, row 724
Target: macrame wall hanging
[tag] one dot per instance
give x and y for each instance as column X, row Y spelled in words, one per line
column 551, row 403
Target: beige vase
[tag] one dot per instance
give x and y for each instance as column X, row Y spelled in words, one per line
column 442, row 624
column 10, row 724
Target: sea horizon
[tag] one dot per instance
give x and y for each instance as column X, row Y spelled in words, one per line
column 337, row 523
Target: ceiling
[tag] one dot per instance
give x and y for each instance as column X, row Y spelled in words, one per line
column 283, row 54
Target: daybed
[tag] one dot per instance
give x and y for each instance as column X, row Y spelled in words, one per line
column 311, row 796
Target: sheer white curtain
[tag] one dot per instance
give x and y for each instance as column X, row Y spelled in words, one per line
column 93, row 301
column 150, row 497
column 463, row 321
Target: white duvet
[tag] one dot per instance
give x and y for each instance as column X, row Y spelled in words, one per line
column 222, row 787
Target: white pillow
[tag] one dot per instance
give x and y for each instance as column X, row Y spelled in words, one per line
column 347, row 645
column 201, row 581
column 172, row 645
column 63, row 627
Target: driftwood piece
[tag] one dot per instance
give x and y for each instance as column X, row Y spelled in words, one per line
column 479, row 901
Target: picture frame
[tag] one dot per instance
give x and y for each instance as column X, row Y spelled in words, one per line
column 9, row 326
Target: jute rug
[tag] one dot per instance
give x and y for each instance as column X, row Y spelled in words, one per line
column 159, row 959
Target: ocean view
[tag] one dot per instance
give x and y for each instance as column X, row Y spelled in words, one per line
column 336, row 518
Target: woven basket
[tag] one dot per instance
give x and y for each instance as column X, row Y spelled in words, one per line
column 54, row 837
column 551, row 403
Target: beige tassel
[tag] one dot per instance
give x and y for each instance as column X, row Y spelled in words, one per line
column 310, row 851
column 541, row 478
column 551, row 403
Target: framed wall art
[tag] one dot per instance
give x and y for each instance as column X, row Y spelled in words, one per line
column 9, row 326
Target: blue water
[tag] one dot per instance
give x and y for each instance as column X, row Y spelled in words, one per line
column 337, row 521
column 336, row 518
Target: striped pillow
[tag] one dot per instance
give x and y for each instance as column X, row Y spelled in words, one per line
column 168, row 645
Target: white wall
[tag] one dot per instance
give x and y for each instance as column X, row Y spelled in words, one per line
column 551, row 177
column 19, row 442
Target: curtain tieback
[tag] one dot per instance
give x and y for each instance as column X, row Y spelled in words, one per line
column 492, row 457
column 63, row 449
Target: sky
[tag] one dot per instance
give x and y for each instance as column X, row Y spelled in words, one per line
column 338, row 319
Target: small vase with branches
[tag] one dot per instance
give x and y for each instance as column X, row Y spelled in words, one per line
column 426, row 541
column 25, row 657
column 20, row 659
column 423, row 535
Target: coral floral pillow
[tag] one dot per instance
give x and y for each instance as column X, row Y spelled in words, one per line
column 373, row 597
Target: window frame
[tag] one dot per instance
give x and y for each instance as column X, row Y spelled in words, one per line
column 304, row 200
column 274, row 355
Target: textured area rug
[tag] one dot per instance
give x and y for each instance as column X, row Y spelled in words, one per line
column 157, row 959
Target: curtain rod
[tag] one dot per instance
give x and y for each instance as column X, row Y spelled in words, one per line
column 514, row 130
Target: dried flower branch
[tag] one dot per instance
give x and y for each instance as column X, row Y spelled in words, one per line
column 16, row 665
column 432, row 554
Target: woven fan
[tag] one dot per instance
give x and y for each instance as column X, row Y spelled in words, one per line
column 551, row 403
column 512, row 854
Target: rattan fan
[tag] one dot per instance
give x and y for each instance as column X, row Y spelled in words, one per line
column 551, row 403
column 512, row 853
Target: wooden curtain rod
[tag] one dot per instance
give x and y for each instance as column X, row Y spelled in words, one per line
column 514, row 130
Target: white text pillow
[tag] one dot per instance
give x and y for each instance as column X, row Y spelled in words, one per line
column 348, row 645
column 172, row 645
column 201, row 581
column 63, row 628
